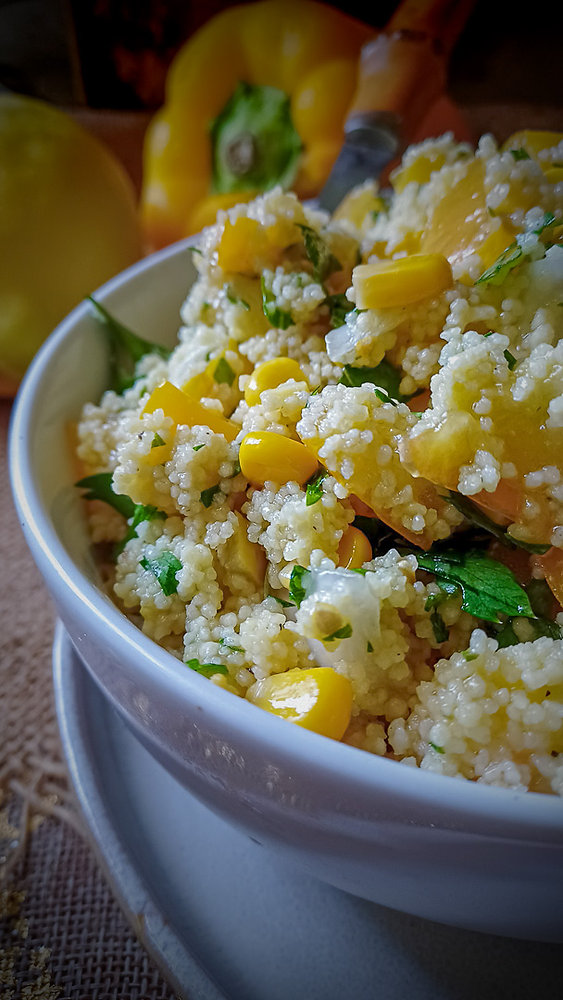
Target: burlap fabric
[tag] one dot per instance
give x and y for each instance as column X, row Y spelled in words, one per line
column 62, row 935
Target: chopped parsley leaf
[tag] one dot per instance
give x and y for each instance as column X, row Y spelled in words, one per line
column 234, row 649
column 198, row 446
column 385, row 376
column 207, row 669
column 439, row 627
column 126, row 349
column 314, row 488
column 281, row 319
column 520, row 154
column 206, row 496
column 324, row 262
column 157, row 441
column 164, row 567
column 369, row 647
column 235, row 300
column 488, row 588
column 510, row 359
column 142, row 512
column 99, row 487
column 339, row 307
column 341, row 633
column 282, row 601
column 474, row 514
column 298, row 581
column 223, row 372
column 437, row 748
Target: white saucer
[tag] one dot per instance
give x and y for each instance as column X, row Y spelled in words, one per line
column 225, row 920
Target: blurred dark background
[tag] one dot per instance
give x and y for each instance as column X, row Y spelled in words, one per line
column 115, row 53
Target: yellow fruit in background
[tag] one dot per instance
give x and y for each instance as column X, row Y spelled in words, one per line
column 68, row 223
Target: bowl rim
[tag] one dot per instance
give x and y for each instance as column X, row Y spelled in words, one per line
column 539, row 816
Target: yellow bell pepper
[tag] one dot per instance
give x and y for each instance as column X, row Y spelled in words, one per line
column 68, row 223
column 256, row 97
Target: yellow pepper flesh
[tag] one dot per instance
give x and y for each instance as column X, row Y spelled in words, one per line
column 306, row 50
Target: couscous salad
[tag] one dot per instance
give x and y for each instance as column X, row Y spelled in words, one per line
column 340, row 496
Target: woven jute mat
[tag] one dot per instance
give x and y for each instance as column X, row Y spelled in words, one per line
column 62, row 934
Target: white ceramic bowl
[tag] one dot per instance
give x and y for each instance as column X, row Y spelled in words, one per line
column 460, row 853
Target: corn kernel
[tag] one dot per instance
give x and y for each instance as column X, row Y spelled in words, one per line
column 265, row 456
column 354, row 549
column 392, row 283
column 318, row 699
column 269, row 375
column 186, row 409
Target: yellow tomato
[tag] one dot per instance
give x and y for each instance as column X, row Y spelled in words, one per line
column 68, row 222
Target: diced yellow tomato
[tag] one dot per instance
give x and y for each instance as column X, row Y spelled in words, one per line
column 360, row 202
column 552, row 565
column 319, row 699
column 184, row 409
column 419, row 171
column 461, row 224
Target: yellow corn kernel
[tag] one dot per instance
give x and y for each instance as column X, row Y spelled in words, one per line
column 245, row 561
column 269, row 375
column 554, row 174
column 184, row 409
column 354, row 549
column 318, row 699
column 392, row 283
column 265, row 456
column 418, row 171
column 534, row 141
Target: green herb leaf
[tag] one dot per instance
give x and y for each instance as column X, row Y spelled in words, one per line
column 236, row 300
column 474, row 514
column 369, row 647
column 489, row 589
column 207, row 669
column 281, row 319
column 197, row 447
column 437, row 748
column 298, row 582
column 164, row 568
column 510, row 359
column 339, row 307
column 206, row 496
column 280, row 600
column 142, row 512
column 341, row 633
column 157, row 441
column 314, row 488
column 99, row 487
column 385, row 376
column 234, row 649
column 439, row 627
column 223, row 372
column 126, row 349
column 503, row 265
column 324, row 262
column 520, row 154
